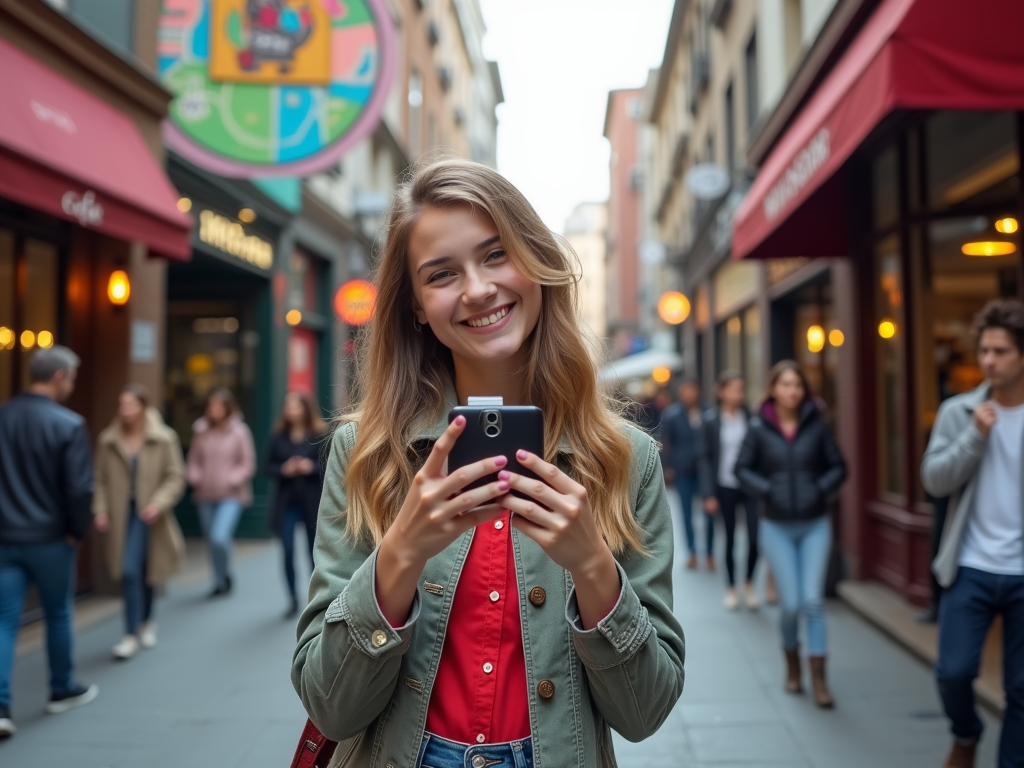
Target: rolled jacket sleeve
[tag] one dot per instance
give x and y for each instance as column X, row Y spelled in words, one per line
column 634, row 656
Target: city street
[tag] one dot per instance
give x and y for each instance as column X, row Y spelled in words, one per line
column 216, row 691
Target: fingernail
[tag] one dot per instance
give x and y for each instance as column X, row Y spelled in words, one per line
column 500, row 461
column 521, row 454
column 503, row 475
column 460, row 420
column 503, row 486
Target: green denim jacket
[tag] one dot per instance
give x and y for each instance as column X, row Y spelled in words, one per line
column 367, row 685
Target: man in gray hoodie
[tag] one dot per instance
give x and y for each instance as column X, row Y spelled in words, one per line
column 976, row 456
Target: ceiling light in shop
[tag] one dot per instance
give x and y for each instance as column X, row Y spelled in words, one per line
column 836, row 338
column 815, row 338
column 184, row 204
column 887, row 329
column 28, row 339
column 661, row 374
column 247, row 215
column 294, row 317
column 45, row 339
column 988, row 248
column 1007, row 226
column 6, row 337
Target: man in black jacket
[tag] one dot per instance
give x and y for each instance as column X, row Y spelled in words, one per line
column 45, row 512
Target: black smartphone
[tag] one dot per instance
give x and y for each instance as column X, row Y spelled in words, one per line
column 497, row 430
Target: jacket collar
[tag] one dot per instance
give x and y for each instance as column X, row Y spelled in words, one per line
column 976, row 397
column 152, row 429
column 433, row 431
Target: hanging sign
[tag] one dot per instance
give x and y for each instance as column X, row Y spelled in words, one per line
column 273, row 87
column 354, row 302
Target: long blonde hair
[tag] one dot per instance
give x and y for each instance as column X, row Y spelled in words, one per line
column 403, row 374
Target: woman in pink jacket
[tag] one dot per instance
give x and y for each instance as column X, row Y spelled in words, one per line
column 221, row 464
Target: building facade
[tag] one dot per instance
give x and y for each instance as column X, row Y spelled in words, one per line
column 586, row 231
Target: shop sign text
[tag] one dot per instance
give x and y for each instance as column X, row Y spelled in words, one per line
column 229, row 236
column 803, row 167
column 83, row 208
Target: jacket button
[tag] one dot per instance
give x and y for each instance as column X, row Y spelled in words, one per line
column 546, row 689
column 379, row 638
column 538, row 596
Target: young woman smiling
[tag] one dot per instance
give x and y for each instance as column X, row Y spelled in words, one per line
column 451, row 627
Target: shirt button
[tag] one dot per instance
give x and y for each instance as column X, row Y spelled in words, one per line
column 479, row 738
column 546, row 689
column 488, row 667
column 494, row 597
column 538, row 596
column 499, row 524
column 379, row 638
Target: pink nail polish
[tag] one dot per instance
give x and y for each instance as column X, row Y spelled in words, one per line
column 521, row 454
column 460, row 420
column 502, row 486
column 500, row 461
column 503, row 475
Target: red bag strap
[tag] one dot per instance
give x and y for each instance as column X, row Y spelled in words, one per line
column 314, row 750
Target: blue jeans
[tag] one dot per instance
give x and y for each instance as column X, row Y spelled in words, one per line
column 798, row 554
column 219, row 520
column 51, row 567
column 442, row 753
column 686, row 485
column 293, row 516
column 965, row 615
column 138, row 595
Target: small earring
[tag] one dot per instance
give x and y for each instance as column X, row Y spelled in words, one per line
column 416, row 325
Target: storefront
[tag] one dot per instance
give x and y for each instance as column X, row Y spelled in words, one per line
column 84, row 207
column 906, row 172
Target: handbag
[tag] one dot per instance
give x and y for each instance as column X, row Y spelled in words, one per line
column 314, row 750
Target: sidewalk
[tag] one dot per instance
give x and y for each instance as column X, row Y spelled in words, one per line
column 733, row 711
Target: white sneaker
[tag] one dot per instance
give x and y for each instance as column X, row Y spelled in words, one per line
column 7, row 728
column 147, row 635
column 127, row 648
column 751, row 597
column 732, row 601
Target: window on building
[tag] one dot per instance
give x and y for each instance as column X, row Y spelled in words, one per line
column 112, row 21
column 750, row 76
column 890, row 332
column 415, row 114
column 730, row 129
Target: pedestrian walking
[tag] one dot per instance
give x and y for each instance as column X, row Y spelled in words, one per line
column 722, row 435
column 789, row 459
column 976, row 457
column 45, row 500
column 425, row 588
column 140, row 476
column 293, row 459
column 680, row 434
column 220, row 466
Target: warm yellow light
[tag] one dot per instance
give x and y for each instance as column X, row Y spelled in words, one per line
column 836, row 338
column 28, row 339
column 184, row 204
column 887, row 329
column 661, row 374
column 248, row 215
column 734, row 326
column 45, row 339
column 988, row 248
column 815, row 338
column 118, row 287
column 294, row 317
column 673, row 307
column 6, row 337
column 1007, row 226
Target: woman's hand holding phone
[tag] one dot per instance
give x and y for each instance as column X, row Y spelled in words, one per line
column 434, row 514
column 559, row 518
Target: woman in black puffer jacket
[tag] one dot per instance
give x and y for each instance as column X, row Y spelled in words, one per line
column 790, row 460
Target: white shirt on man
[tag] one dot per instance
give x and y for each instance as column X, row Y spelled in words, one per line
column 994, row 539
column 730, row 435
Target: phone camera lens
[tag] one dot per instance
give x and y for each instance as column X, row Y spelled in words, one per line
column 492, row 417
column 491, row 430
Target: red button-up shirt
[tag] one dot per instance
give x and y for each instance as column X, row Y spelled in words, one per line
column 479, row 693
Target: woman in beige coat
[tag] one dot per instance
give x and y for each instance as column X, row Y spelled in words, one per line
column 139, row 478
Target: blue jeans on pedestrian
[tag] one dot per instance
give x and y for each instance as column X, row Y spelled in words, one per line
column 51, row 567
column 798, row 552
column 219, row 520
column 293, row 516
column 687, row 486
column 965, row 615
column 436, row 752
column 138, row 595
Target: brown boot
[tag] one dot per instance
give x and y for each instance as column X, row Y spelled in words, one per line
column 822, row 696
column 961, row 756
column 711, row 563
column 793, row 683
column 691, row 563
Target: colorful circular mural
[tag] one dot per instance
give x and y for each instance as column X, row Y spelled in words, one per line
column 273, row 87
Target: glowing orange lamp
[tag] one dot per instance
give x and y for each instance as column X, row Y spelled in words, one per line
column 118, row 287
column 355, row 301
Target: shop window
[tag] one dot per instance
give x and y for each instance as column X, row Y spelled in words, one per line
column 304, row 283
column 8, row 334
column 752, row 363
column 889, row 341
column 972, row 159
column 730, row 345
column 885, row 190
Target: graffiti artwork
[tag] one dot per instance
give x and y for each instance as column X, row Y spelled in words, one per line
column 273, row 87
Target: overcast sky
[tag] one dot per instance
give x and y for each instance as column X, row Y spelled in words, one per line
column 558, row 60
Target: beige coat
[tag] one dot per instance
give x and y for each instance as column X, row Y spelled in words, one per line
column 160, row 480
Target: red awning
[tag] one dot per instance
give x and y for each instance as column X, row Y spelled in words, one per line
column 911, row 54
column 66, row 152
